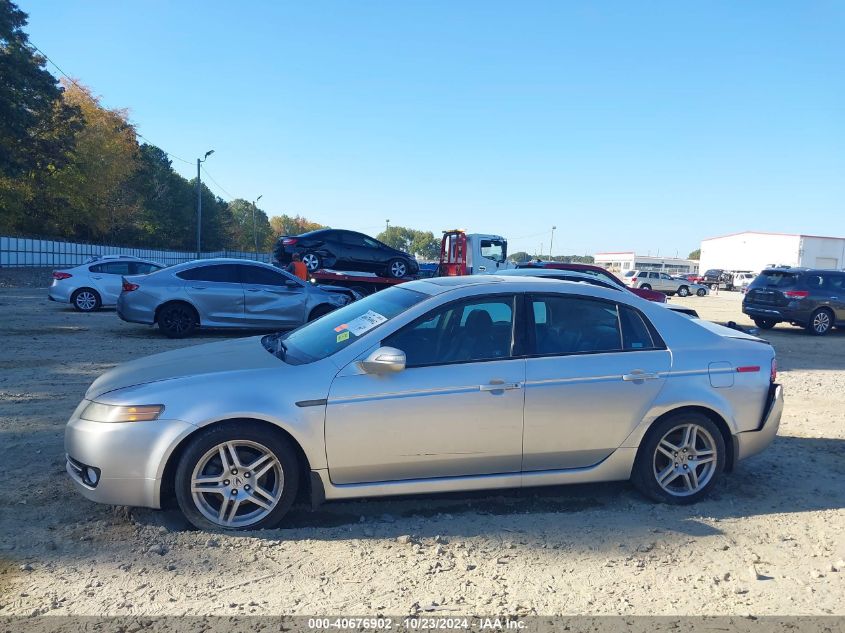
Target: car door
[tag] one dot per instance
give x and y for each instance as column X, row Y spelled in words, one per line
column 593, row 370
column 216, row 292
column 356, row 250
column 455, row 410
column 667, row 284
column 836, row 290
column 272, row 299
column 108, row 277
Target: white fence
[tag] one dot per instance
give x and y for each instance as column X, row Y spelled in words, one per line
column 21, row 252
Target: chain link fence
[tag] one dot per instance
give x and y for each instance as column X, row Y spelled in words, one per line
column 23, row 252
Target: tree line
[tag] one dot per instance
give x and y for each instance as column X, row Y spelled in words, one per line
column 71, row 168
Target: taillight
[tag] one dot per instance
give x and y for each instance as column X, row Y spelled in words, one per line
column 128, row 286
column 773, row 376
column 289, row 241
column 60, row 276
column 633, row 280
column 796, row 294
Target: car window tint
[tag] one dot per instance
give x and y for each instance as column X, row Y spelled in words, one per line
column 227, row 273
column 478, row 329
column 575, row 325
column 112, row 268
column 813, row 281
column 143, row 268
column 352, row 239
column 261, row 276
column 836, row 282
column 370, row 243
column 664, row 276
column 635, row 333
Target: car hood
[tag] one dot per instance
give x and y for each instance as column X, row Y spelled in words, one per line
column 225, row 356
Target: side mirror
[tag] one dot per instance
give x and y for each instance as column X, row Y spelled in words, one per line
column 384, row 360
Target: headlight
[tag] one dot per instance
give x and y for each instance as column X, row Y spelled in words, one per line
column 98, row 412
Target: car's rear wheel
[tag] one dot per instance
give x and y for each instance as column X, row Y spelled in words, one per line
column 646, row 287
column 683, row 291
column 319, row 311
column 177, row 320
column 680, row 459
column 311, row 261
column 765, row 324
column 821, row 321
column 238, row 476
column 701, row 292
column 86, row 300
column 397, row 268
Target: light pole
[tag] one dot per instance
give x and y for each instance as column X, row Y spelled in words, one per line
column 386, row 225
column 254, row 230
column 552, row 241
column 199, row 202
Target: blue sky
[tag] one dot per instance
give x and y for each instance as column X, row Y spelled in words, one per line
column 628, row 125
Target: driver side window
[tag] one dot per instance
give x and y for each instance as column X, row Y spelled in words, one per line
column 479, row 329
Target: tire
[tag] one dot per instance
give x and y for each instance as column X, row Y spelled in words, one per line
column 645, row 287
column 714, row 287
column 177, row 320
column 319, row 311
column 821, row 322
column 397, row 268
column 683, row 291
column 242, row 444
column 656, row 458
column 701, row 292
column 312, row 261
column 86, row 300
column 765, row 324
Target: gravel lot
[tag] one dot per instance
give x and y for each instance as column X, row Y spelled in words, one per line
column 771, row 540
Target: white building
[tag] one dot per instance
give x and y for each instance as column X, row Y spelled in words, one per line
column 754, row 250
column 628, row 260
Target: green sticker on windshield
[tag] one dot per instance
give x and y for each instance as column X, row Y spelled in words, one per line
column 343, row 336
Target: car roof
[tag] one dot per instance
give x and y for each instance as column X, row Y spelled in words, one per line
column 220, row 260
column 554, row 273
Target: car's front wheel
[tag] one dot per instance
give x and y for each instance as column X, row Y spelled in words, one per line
column 680, row 459
column 683, row 291
column 85, row 300
column 821, row 321
column 701, row 292
column 237, row 476
column 397, row 268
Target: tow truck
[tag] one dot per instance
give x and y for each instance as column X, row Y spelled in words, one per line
column 461, row 253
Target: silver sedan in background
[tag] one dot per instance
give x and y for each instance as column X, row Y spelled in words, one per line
column 225, row 293
column 438, row 385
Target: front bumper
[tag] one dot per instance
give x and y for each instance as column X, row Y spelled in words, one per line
column 750, row 443
column 130, row 456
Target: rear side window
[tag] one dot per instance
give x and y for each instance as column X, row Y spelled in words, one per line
column 635, row 333
column 631, row 273
column 143, row 268
column 226, row 273
column 112, row 268
column 574, row 325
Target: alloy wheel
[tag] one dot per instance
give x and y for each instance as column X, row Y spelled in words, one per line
column 685, row 460
column 237, row 483
column 311, row 261
column 178, row 320
column 821, row 322
column 398, row 269
column 86, row 301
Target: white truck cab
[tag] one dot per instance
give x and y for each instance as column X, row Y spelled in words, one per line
column 464, row 253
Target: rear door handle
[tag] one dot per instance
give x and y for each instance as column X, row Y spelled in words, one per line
column 199, row 287
column 500, row 386
column 639, row 374
column 254, row 289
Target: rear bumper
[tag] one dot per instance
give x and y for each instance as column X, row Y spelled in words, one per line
column 59, row 294
column 133, row 313
column 750, row 443
column 778, row 313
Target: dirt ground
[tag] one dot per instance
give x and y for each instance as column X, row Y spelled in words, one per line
column 771, row 540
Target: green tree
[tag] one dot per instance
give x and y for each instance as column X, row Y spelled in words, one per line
column 37, row 129
column 421, row 244
column 696, row 254
column 291, row 225
column 519, row 256
column 242, row 237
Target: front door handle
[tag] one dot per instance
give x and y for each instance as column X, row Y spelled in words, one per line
column 639, row 374
column 254, row 289
column 199, row 287
column 499, row 385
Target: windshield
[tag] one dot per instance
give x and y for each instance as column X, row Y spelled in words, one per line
column 336, row 330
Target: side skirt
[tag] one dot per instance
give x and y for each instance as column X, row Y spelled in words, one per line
column 616, row 467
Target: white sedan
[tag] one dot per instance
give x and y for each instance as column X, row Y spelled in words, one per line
column 97, row 283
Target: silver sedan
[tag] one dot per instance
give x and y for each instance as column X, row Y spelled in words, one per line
column 225, row 293
column 438, row 385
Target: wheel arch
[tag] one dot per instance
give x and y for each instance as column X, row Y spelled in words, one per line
column 170, row 302
column 167, row 486
column 713, row 415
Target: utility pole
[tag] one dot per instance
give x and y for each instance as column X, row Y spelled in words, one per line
column 552, row 241
column 254, row 230
column 199, row 202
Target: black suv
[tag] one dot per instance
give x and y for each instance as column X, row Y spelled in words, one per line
column 810, row 298
column 345, row 250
